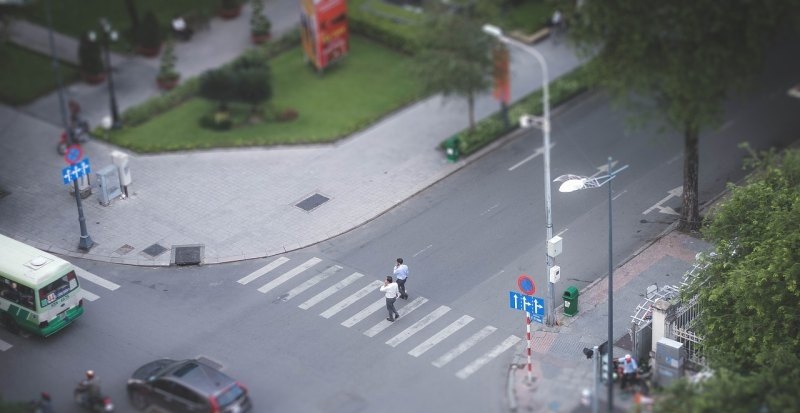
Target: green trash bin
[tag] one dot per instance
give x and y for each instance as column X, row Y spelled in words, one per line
column 570, row 301
column 451, row 149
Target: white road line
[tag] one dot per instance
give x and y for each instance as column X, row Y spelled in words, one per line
column 88, row 295
column 288, row 275
column 486, row 358
column 263, row 270
column 311, row 282
column 440, row 336
column 361, row 315
column 5, row 346
column 674, row 192
column 562, row 232
column 419, row 325
column 330, row 291
column 351, row 299
column 383, row 325
column 464, row 346
column 539, row 151
column 618, row 195
column 421, row 251
column 86, row 275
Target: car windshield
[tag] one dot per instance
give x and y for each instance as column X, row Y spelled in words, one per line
column 230, row 395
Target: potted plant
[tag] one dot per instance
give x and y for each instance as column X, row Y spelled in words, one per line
column 260, row 25
column 90, row 60
column 167, row 75
column 230, row 9
column 149, row 43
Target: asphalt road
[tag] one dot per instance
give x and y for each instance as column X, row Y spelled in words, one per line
column 466, row 239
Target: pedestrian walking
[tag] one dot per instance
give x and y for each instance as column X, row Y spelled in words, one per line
column 390, row 289
column 401, row 274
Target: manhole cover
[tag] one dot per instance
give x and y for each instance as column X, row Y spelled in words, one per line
column 187, row 254
column 312, row 202
column 124, row 249
column 154, row 250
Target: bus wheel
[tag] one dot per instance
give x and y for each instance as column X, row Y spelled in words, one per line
column 10, row 324
column 138, row 400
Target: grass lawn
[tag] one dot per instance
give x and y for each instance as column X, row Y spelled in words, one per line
column 370, row 82
column 75, row 17
column 26, row 75
column 529, row 16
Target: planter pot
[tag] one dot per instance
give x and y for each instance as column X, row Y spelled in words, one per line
column 167, row 84
column 148, row 51
column 260, row 38
column 93, row 78
column 230, row 13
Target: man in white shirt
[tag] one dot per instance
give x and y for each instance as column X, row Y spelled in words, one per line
column 401, row 274
column 390, row 288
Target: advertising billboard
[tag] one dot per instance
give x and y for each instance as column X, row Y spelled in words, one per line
column 323, row 29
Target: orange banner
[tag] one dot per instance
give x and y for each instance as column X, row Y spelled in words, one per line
column 324, row 31
column 502, row 79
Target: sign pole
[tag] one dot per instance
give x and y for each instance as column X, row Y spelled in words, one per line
column 528, row 331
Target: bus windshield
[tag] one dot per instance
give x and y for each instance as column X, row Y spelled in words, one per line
column 57, row 289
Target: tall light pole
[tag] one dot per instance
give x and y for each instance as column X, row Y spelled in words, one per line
column 85, row 242
column 574, row 183
column 107, row 36
column 545, row 126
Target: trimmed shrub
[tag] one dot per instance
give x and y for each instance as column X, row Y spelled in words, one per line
column 219, row 85
column 140, row 114
column 382, row 34
column 150, row 32
column 259, row 23
column 89, row 56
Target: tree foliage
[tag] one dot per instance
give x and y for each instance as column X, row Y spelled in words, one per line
column 89, row 55
column 685, row 56
column 246, row 80
column 150, row 32
column 455, row 56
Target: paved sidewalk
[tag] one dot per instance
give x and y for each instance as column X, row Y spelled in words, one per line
column 561, row 371
column 237, row 203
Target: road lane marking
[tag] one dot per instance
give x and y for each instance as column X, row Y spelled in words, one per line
column 4, row 345
column 618, row 195
column 351, row 299
column 311, row 282
column 421, row 251
column 486, row 358
column 87, row 295
column 86, row 275
column 330, row 290
column 419, row 325
column 674, row 192
column 383, row 325
column 539, row 151
column 361, row 315
column 263, row 270
column 440, row 336
column 288, row 275
column 464, row 346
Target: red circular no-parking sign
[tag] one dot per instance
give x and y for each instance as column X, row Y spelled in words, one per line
column 74, row 154
column 526, row 284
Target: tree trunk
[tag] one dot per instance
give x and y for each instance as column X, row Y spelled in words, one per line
column 690, row 213
column 471, row 109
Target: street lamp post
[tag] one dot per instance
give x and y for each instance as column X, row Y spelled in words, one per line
column 106, row 36
column 574, row 183
column 545, row 126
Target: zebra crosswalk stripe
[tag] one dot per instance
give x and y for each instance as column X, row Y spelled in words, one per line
column 352, row 298
column 263, row 270
column 464, row 346
column 86, row 275
column 419, row 325
column 361, row 315
column 311, row 282
column 87, row 295
column 5, row 346
column 383, row 325
column 288, row 275
column 486, row 358
column 440, row 336
column 330, row 290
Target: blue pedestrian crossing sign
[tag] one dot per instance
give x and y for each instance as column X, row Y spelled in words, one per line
column 534, row 306
column 73, row 172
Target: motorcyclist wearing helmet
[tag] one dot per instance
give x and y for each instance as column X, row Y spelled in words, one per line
column 90, row 387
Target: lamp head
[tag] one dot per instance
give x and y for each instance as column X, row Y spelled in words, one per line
column 492, row 30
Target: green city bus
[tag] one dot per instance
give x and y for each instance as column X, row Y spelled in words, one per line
column 39, row 292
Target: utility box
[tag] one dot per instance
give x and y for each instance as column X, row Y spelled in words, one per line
column 554, row 246
column 670, row 361
column 121, row 160
column 555, row 274
column 108, row 185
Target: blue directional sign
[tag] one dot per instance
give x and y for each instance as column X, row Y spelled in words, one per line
column 534, row 306
column 76, row 171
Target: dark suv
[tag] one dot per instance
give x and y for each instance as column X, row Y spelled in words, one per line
column 187, row 386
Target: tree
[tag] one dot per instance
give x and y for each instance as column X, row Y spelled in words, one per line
column 218, row 85
column 133, row 15
column 685, row 55
column 89, row 55
column 150, row 32
column 259, row 23
column 455, row 57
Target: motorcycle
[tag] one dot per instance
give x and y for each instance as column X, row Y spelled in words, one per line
column 93, row 404
column 80, row 133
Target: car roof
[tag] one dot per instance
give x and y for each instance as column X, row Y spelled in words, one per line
column 199, row 376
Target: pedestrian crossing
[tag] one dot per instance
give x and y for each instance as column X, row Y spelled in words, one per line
column 352, row 298
column 86, row 294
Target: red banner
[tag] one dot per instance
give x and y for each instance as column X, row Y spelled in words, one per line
column 502, row 79
column 323, row 29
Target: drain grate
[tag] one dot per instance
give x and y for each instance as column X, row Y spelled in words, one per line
column 187, row 254
column 154, row 250
column 312, row 202
column 124, row 249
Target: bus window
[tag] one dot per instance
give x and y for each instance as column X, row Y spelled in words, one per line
column 57, row 289
column 17, row 293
